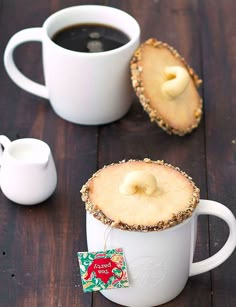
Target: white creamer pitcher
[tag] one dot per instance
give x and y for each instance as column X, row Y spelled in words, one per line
column 27, row 174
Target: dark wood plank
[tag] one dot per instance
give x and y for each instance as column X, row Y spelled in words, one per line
column 219, row 50
column 38, row 244
column 177, row 23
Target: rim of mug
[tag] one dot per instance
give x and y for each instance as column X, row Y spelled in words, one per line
column 51, row 19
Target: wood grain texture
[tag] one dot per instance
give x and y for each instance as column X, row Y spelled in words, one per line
column 38, row 244
column 219, row 54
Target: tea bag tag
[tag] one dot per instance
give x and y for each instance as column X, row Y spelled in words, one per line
column 103, row 270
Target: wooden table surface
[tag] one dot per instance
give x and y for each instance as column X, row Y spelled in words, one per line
column 38, row 244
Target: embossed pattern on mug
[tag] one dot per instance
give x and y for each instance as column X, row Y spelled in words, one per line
column 146, row 272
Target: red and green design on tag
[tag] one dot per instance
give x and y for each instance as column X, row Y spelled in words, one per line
column 103, row 270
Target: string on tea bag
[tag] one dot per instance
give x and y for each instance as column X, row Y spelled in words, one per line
column 106, row 234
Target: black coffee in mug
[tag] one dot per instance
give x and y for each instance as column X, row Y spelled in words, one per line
column 90, row 38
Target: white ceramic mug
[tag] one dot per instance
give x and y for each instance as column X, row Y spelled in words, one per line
column 83, row 88
column 159, row 263
column 27, row 170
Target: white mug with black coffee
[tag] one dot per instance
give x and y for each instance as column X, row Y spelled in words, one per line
column 86, row 54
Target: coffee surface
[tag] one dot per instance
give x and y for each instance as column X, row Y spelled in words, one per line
column 90, row 38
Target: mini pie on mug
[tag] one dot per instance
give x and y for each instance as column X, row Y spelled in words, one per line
column 141, row 195
column 166, row 87
column 151, row 209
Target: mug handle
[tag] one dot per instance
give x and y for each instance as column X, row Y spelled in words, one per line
column 214, row 208
column 31, row 34
column 4, row 142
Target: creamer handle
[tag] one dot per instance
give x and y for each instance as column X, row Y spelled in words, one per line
column 4, row 142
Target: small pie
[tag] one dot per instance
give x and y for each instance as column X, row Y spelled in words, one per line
column 166, row 87
column 140, row 195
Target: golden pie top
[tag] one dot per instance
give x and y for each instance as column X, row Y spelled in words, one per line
column 166, row 87
column 140, row 195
